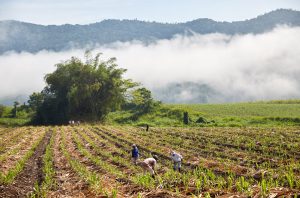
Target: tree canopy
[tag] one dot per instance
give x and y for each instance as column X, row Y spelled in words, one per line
column 81, row 90
column 142, row 101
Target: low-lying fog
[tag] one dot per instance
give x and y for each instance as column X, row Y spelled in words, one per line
column 232, row 68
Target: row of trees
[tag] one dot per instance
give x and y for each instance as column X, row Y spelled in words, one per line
column 87, row 90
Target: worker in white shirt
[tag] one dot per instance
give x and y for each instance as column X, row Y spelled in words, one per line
column 177, row 159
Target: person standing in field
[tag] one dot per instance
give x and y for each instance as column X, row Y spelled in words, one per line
column 134, row 154
column 149, row 165
column 177, row 159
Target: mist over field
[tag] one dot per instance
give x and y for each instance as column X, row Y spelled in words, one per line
column 232, row 68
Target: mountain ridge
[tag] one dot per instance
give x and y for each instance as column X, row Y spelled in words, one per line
column 22, row 36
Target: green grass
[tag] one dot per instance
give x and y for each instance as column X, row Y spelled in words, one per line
column 13, row 121
column 265, row 113
column 244, row 109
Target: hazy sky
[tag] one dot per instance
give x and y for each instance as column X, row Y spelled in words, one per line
column 89, row 11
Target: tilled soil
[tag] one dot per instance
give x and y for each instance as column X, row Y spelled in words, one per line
column 68, row 182
column 32, row 173
column 23, row 146
column 126, row 187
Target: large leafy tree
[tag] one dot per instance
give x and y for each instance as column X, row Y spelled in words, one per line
column 142, row 100
column 82, row 90
column 35, row 101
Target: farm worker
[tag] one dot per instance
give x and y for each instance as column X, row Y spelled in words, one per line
column 134, row 153
column 177, row 159
column 149, row 165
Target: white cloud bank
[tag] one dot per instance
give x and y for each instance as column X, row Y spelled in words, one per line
column 247, row 67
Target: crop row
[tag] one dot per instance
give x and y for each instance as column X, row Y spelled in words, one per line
column 281, row 180
column 8, row 176
column 12, row 137
column 216, row 150
column 95, row 161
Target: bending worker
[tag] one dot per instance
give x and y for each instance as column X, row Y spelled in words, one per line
column 149, row 165
column 177, row 159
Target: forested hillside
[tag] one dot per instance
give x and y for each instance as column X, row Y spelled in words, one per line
column 20, row 36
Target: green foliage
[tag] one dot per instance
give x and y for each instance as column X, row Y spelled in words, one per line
column 160, row 115
column 139, row 103
column 142, row 101
column 81, row 90
column 2, row 108
column 242, row 185
column 22, row 115
column 7, row 112
column 13, row 121
column 144, row 180
column 17, row 111
column 264, row 188
column 35, row 101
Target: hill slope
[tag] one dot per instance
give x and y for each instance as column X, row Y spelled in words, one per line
column 19, row 36
column 268, row 113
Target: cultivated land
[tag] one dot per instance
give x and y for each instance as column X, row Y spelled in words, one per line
column 94, row 161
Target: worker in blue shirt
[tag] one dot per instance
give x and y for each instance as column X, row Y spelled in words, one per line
column 134, row 153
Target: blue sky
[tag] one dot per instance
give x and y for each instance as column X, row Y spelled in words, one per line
column 89, row 11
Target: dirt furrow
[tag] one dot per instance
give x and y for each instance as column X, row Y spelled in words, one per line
column 68, row 183
column 125, row 187
column 32, row 173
